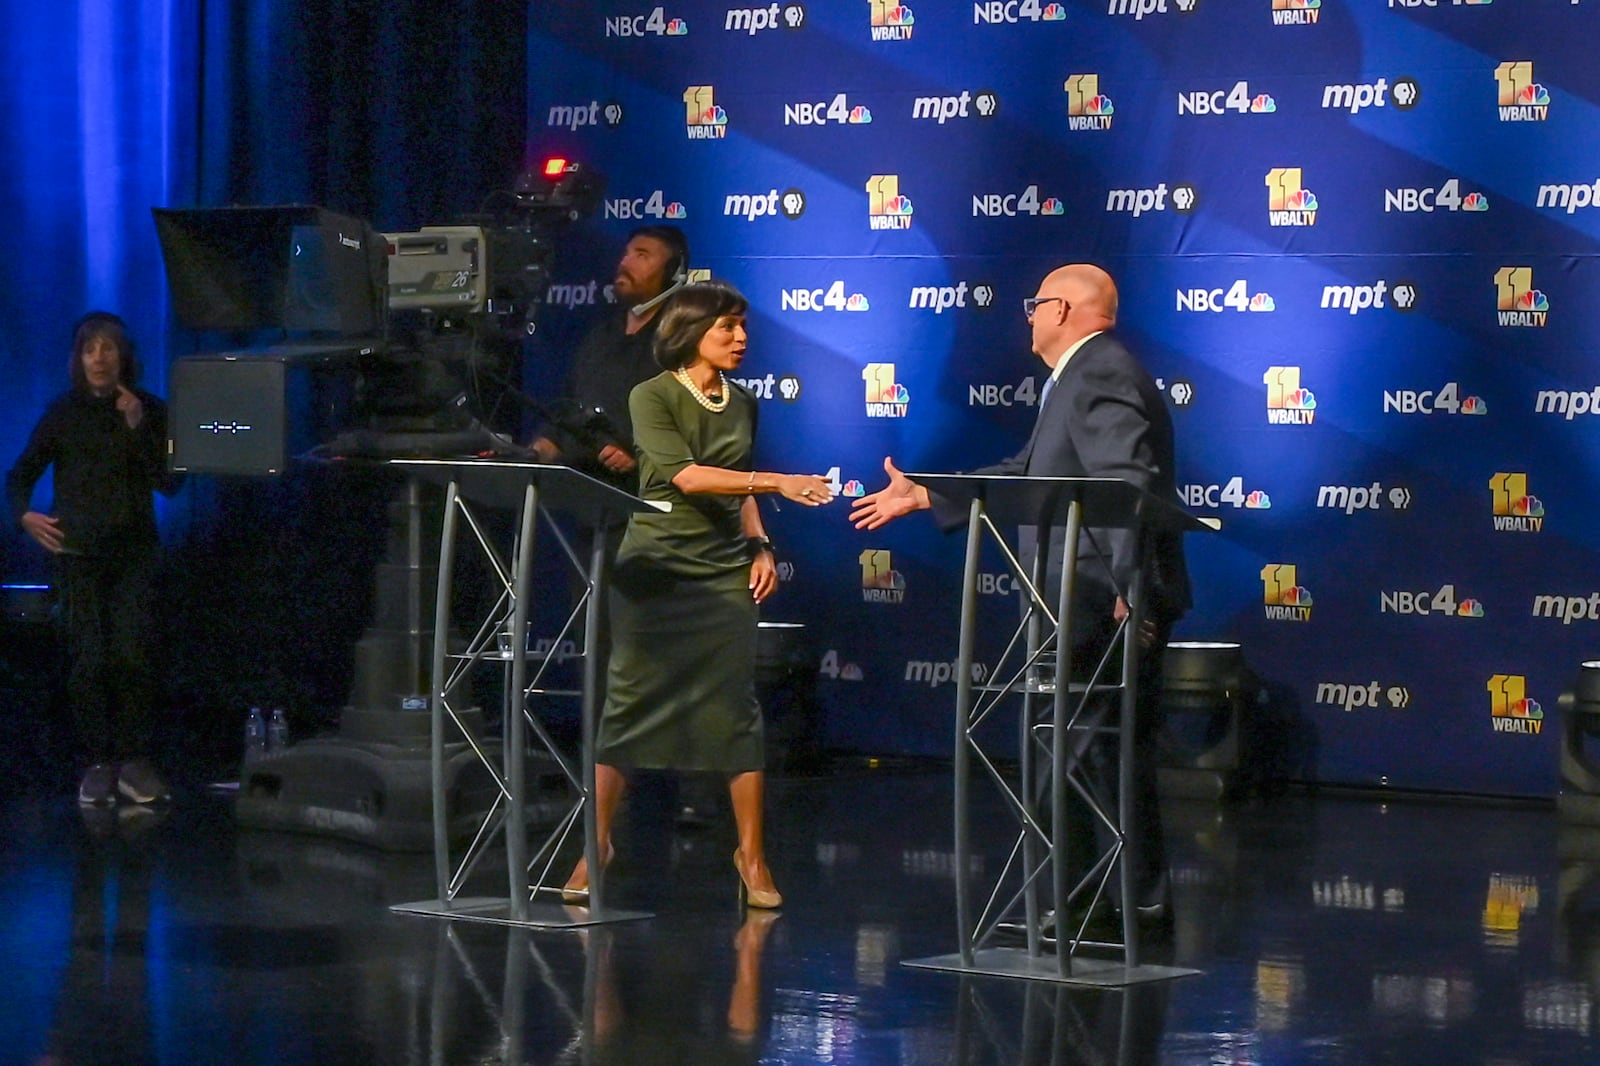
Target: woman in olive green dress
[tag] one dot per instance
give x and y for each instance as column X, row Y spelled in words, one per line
column 680, row 692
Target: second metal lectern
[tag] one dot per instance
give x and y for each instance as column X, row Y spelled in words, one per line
column 1060, row 717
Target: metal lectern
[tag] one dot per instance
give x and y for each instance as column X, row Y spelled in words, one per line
column 530, row 489
column 1060, row 718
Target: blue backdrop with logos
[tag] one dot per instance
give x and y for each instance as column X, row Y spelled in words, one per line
column 1354, row 239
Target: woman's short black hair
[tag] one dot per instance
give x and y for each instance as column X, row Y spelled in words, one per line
column 98, row 324
column 689, row 315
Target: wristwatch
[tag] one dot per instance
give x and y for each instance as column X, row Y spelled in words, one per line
column 757, row 545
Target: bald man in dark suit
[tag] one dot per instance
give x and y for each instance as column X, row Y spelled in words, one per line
column 1100, row 415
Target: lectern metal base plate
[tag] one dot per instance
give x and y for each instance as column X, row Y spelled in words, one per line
column 1017, row 963
column 495, row 911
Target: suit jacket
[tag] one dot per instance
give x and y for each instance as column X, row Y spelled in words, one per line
column 1105, row 417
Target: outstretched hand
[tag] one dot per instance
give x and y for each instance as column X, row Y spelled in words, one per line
column 900, row 497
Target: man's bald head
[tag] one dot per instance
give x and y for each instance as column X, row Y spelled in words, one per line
column 1076, row 300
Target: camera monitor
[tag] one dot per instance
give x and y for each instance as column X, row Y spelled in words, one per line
column 297, row 268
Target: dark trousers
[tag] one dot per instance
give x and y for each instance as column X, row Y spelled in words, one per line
column 109, row 620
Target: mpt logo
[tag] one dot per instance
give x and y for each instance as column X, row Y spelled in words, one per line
column 1139, row 201
column 1446, row 399
column 772, row 387
column 1237, row 99
column 1571, row 198
column 998, row 12
column 1180, row 391
column 655, row 24
column 656, row 205
column 1140, row 8
column 752, row 20
column 1401, row 295
column 1372, row 694
column 831, row 299
column 1353, row 498
column 577, row 116
column 997, row 205
column 1357, row 98
column 1215, row 301
column 792, row 202
column 1446, row 197
column 942, row 298
column 985, row 103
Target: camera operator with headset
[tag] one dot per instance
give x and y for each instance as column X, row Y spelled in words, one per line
column 613, row 358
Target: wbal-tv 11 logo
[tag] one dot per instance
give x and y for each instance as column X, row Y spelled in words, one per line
column 1288, row 402
column 1355, row 98
column 880, row 581
column 887, row 207
column 1402, row 296
column 1440, row 601
column 942, row 298
column 1353, row 498
column 1285, row 600
column 705, row 118
column 1521, row 98
column 1239, row 100
column 1350, row 696
column 985, row 103
column 1447, row 399
column 1515, row 511
column 838, row 110
column 575, row 117
column 886, row 398
column 655, row 24
column 1517, row 302
column 1289, row 203
column 1230, row 493
column 1136, row 202
column 1011, row 205
column 1088, row 109
column 891, row 21
column 1444, row 197
column 833, row 298
column 1236, row 297
column 1296, row 12
column 656, row 205
column 1568, row 609
column 1140, row 9
column 1011, row 12
column 753, row 20
column 1510, row 707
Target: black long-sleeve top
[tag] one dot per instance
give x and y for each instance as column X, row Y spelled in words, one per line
column 104, row 471
column 609, row 363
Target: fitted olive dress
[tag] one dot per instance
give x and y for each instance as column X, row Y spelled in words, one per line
column 681, row 687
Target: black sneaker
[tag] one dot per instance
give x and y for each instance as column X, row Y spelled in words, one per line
column 140, row 783
column 99, row 787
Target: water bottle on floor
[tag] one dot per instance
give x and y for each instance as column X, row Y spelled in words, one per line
column 255, row 735
column 277, row 731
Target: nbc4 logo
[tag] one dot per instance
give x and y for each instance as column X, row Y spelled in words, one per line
column 1238, row 99
column 1441, row 602
column 705, row 117
column 656, row 205
column 891, row 21
column 1296, row 12
column 1232, row 494
column 1285, row 599
column 851, row 489
column 886, row 398
column 833, row 298
column 1518, row 303
column 1521, row 98
column 1288, row 202
column 1287, row 403
column 998, row 205
column 821, row 112
column 880, row 581
column 1237, row 296
column 1514, row 510
column 1447, row 197
column 1510, row 708
column 655, row 24
column 1087, row 107
column 886, row 207
column 999, row 12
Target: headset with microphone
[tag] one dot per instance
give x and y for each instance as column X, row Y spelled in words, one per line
column 677, row 268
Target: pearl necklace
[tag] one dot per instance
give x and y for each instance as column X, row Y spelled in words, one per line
column 701, row 398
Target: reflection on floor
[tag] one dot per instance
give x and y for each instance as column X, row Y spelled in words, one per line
column 1329, row 931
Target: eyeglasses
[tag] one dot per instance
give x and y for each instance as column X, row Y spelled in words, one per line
column 1031, row 304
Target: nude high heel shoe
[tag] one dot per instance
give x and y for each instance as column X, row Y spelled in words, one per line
column 766, row 899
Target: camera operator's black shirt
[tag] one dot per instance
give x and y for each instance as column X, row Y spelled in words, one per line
column 609, row 363
column 104, row 471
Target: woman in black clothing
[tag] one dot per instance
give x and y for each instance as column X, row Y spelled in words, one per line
column 106, row 439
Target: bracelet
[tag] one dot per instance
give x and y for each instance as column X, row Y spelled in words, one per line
column 750, row 486
column 757, row 545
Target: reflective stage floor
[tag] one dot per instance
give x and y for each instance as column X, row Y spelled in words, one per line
column 1328, row 930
